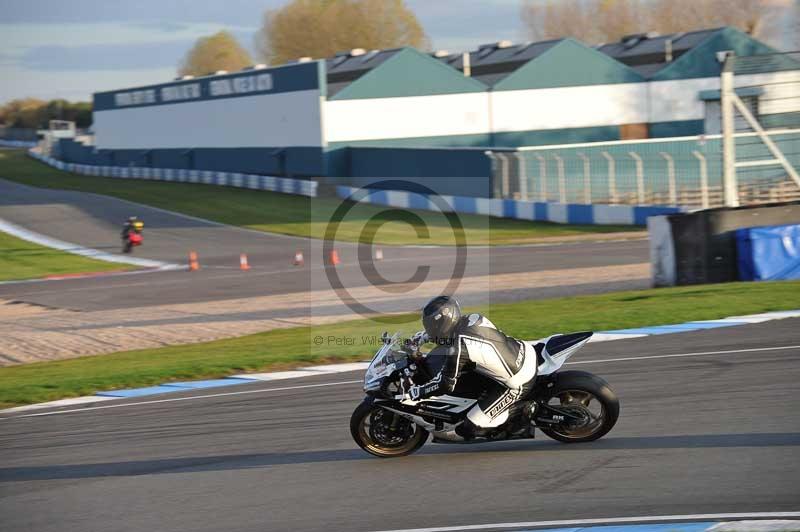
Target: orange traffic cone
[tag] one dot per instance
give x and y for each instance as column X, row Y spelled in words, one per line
column 194, row 265
column 334, row 259
column 243, row 265
column 298, row 258
column 379, row 254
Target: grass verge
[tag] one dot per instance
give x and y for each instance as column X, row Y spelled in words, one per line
column 354, row 340
column 292, row 215
column 20, row 259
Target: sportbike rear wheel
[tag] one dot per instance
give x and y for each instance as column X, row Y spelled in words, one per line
column 383, row 433
column 588, row 397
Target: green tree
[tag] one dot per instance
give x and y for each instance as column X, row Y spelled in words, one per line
column 36, row 114
column 220, row 51
column 24, row 113
column 321, row 28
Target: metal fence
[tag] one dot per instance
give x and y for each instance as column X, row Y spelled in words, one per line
column 685, row 172
column 756, row 154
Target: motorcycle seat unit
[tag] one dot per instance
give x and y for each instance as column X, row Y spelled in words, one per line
column 559, row 343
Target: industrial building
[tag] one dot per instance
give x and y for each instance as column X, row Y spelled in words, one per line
column 389, row 113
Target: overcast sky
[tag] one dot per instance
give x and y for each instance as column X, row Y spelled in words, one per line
column 71, row 48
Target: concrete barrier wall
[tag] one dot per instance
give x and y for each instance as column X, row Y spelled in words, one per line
column 205, row 177
column 563, row 213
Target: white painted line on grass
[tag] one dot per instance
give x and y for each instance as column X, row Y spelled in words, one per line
column 603, row 521
column 61, row 402
column 42, row 240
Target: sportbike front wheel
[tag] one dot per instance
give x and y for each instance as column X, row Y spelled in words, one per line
column 383, row 433
column 593, row 404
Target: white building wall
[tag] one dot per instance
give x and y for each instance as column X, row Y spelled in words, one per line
column 406, row 117
column 569, row 107
column 263, row 120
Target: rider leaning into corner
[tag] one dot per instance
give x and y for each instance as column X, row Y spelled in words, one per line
column 473, row 343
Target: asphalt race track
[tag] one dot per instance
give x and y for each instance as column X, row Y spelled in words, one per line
column 94, row 221
column 706, row 433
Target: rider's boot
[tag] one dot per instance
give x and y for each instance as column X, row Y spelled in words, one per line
column 469, row 430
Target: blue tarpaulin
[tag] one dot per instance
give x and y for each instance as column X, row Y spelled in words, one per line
column 768, row 253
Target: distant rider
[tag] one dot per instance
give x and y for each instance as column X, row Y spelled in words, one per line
column 132, row 225
column 474, row 343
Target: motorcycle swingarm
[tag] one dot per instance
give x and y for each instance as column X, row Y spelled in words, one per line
column 553, row 415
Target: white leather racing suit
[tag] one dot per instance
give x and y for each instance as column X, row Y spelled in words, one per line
column 478, row 345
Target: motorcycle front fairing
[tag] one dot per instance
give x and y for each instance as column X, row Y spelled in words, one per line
column 383, row 366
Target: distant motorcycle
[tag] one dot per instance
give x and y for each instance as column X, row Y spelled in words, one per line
column 132, row 236
column 568, row 406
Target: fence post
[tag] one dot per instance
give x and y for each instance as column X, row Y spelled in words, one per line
column 639, row 177
column 673, row 196
column 730, row 193
column 587, row 179
column 542, row 178
column 612, row 178
column 493, row 160
column 703, row 178
column 562, row 190
column 522, row 175
column 504, row 173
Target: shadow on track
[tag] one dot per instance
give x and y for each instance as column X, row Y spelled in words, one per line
column 248, row 461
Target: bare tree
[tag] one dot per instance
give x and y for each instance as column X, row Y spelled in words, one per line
column 220, row 51
column 595, row 21
column 750, row 16
column 591, row 21
column 320, row 28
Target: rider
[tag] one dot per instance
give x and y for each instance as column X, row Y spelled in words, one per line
column 473, row 343
column 132, row 225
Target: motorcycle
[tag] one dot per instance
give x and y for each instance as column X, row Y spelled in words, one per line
column 568, row 406
column 133, row 237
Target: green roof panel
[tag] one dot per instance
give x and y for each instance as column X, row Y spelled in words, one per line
column 569, row 63
column 701, row 61
column 409, row 73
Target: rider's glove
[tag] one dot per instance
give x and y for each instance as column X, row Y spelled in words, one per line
column 420, row 338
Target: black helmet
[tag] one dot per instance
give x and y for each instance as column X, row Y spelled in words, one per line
column 440, row 317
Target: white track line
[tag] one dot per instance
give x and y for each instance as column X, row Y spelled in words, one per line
column 610, row 520
column 302, row 386
column 173, row 399
column 705, row 353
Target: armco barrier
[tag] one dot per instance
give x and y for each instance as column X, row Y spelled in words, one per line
column 565, row 213
column 205, row 177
